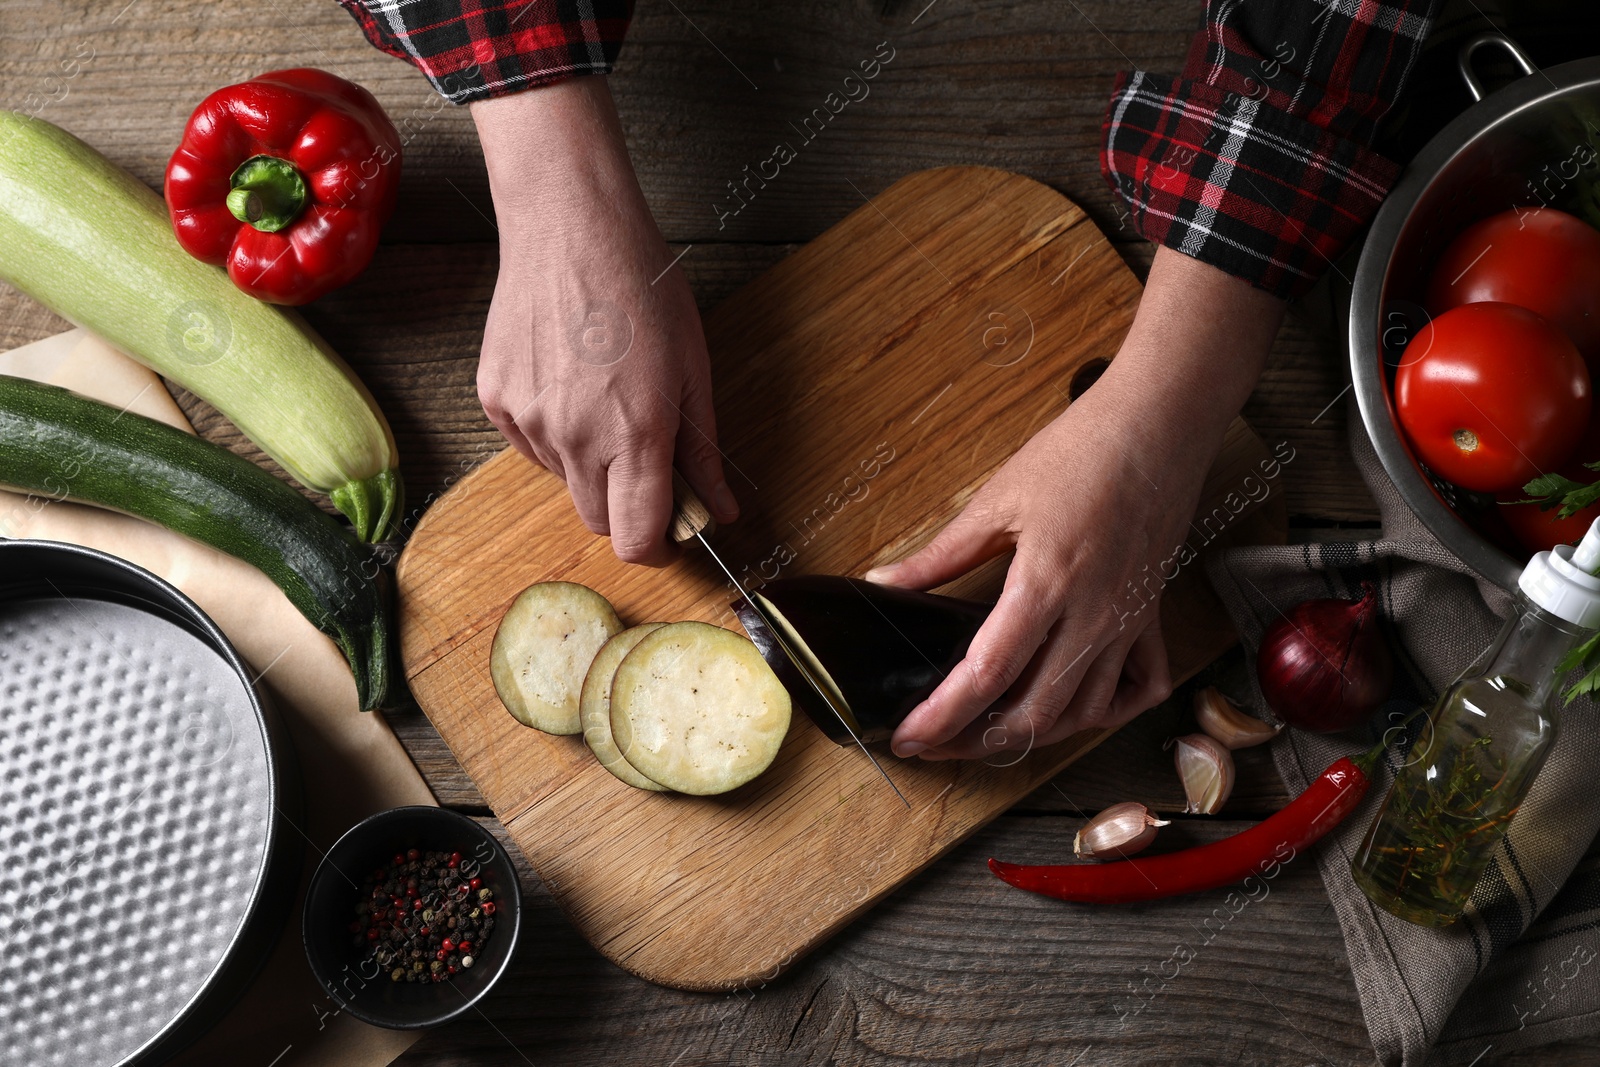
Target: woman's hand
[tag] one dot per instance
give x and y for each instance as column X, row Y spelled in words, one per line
column 593, row 360
column 1094, row 505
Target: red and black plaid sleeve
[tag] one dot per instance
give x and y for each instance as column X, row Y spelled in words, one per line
column 1257, row 159
column 473, row 49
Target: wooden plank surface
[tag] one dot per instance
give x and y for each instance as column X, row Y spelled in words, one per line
column 870, row 356
column 955, row 969
column 1018, row 84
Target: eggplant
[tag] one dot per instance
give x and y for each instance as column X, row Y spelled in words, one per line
column 879, row 650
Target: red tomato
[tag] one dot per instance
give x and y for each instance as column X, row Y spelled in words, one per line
column 1490, row 395
column 1544, row 260
column 1537, row 530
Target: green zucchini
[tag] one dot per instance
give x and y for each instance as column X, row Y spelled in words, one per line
column 93, row 244
column 56, row 444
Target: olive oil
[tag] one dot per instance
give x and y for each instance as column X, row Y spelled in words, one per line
column 1464, row 779
column 1451, row 802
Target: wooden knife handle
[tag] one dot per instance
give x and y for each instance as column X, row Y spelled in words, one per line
column 689, row 514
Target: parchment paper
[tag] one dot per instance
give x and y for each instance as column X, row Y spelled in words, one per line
column 351, row 762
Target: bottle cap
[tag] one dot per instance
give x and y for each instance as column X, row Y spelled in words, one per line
column 1562, row 581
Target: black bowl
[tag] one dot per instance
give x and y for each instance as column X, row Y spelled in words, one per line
column 336, row 888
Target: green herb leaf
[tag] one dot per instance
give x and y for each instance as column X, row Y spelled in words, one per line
column 1589, row 683
column 1577, row 656
column 1551, row 491
column 1551, row 485
column 1559, row 491
column 1579, row 499
column 1586, row 657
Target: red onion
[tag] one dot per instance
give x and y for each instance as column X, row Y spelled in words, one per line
column 1324, row 666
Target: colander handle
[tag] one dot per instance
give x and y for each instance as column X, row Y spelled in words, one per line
column 1464, row 58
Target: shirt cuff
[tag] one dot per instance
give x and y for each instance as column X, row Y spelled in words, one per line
column 1225, row 179
column 477, row 49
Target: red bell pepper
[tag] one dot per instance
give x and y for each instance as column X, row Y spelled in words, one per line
column 286, row 179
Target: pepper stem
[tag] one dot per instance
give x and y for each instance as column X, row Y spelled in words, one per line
column 267, row 192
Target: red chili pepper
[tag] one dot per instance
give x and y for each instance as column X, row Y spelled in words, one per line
column 1275, row 840
column 287, row 179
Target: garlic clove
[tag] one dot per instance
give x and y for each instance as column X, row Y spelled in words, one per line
column 1220, row 718
column 1117, row 832
column 1206, row 769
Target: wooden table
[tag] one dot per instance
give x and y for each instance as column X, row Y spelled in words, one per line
column 948, row 970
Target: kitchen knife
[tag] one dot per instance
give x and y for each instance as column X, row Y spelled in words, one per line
column 691, row 521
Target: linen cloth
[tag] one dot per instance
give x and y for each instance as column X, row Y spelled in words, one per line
column 1522, row 967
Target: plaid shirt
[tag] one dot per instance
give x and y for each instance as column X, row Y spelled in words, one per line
column 475, row 49
column 1257, row 159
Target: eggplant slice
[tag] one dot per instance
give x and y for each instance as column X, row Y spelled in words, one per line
column 594, row 706
column 697, row 709
column 543, row 649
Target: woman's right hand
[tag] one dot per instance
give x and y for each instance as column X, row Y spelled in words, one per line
column 593, row 361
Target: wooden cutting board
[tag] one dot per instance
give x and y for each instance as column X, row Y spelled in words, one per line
column 865, row 388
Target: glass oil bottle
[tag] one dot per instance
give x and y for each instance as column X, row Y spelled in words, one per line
column 1487, row 737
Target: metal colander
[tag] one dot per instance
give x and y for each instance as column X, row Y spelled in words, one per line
column 1535, row 142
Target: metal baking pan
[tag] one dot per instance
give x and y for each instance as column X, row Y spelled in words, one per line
column 146, row 865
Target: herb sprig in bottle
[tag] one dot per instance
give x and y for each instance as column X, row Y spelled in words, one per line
column 1488, row 735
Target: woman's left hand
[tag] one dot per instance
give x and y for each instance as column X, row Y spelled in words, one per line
column 1097, row 506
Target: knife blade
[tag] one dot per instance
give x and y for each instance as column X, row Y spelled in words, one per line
column 690, row 518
